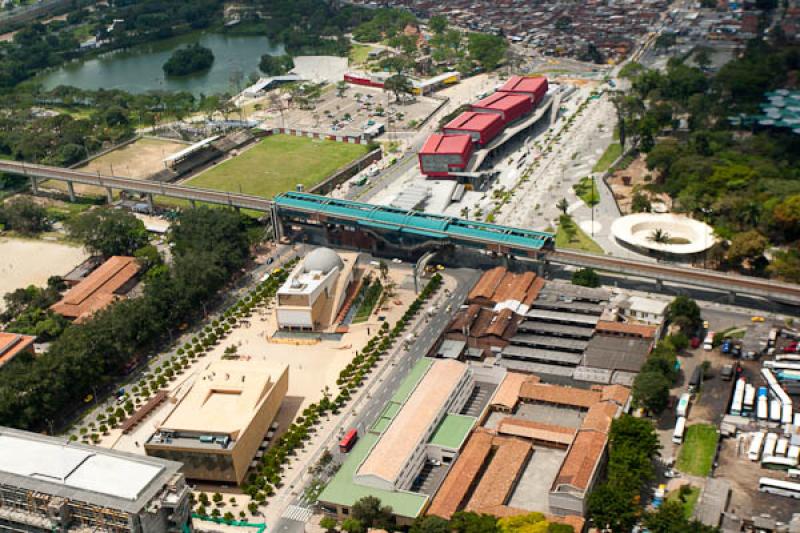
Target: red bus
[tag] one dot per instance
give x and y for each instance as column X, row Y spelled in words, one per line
column 348, row 440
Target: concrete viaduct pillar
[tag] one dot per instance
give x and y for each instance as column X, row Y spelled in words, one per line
column 151, row 204
column 34, row 185
column 71, row 191
column 109, row 195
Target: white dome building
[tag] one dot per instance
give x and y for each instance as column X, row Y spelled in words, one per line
column 663, row 234
column 310, row 298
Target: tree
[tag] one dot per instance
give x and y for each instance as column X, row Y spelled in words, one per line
column 193, row 58
column 398, row 84
column 684, row 312
column 659, row 236
column 640, row 203
column 108, row 232
column 486, row 49
column 353, row 525
column 651, row 390
column 437, row 24
column 24, row 216
column 563, row 205
column 586, row 277
column 786, row 215
column 612, row 509
column 748, row 246
column 275, row 65
column 328, row 524
column 670, row 518
column 469, row 522
column 371, row 514
column 430, row 524
column 786, row 265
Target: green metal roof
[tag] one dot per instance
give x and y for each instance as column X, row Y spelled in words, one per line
column 452, row 431
column 415, row 222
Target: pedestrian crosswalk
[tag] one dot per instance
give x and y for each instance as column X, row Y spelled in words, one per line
column 297, row 513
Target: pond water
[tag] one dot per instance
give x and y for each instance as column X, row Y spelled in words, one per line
column 139, row 69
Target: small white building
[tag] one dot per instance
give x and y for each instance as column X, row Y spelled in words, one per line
column 312, row 296
column 645, row 310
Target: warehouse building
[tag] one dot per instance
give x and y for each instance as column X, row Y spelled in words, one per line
column 110, row 282
column 216, row 428
column 444, row 154
column 423, row 427
column 533, row 88
column 310, row 299
column 509, row 106
column 49, row 484
column 482, row 127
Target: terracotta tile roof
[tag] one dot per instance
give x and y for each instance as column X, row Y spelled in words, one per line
column 13, row 344
column 456, row 485
column 499, row 326
column 464, row 318
column 559, row 395
column 500, row 476
column 507, row 394
column 581, row 460
column 98, row 289
column 536, row 430
column 624, row 328
column 615, row 393
column 534, row 290
column 599, row 417
column 487, row 284
column 483, row 322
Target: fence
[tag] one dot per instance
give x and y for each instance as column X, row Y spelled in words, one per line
column 347, row 172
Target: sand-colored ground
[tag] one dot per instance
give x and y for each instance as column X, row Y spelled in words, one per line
column 26, row 262
column 624, row 184
column 136, row 160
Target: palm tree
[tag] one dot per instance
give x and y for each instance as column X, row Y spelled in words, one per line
column 563, row 205
column 660, row 236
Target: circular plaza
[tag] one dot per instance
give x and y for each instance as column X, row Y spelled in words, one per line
column 664, row 235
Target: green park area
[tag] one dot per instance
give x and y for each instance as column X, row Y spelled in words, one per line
column 611, row 154
column 697, row 452
column 687, row 496
column 570, row 235
column 586, row 189
column 278, row 164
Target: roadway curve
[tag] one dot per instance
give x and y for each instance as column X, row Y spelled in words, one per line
column 722, row 281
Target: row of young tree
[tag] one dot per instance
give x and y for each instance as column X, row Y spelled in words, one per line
column 616, row 503
column 369, row 513
column 745, row 183
column 209, row 247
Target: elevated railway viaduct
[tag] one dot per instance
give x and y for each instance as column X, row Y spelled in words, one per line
column 381, row 228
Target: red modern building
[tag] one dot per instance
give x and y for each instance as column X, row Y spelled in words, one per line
column 535, row 88
column 482, row 127
column 509, row 106
column 360, row 79
column 443, row 154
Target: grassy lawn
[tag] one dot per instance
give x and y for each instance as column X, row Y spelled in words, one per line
column 580, row 241
column 689, row 500
column 697, row 452
column 359, row 53
column 586, row 189
column 277, row 164
column 611, row 154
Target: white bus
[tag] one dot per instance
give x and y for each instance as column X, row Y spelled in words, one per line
column 775, row 410
column 794, row 453
column 680, row 428
column 769, row 444
column 777, row 463
column 683, row 404
column 794, row 473
column 762, row 410
column 754, row 453
column 779, row 487
column 738, row 399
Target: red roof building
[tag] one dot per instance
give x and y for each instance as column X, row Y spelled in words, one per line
column 482, row 127
column 13, row 344
column 509, row 106
column 534, row 88
column 443, row 154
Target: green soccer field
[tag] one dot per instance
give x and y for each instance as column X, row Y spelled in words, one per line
column 277, row 164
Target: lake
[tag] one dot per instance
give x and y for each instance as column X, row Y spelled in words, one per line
column 138, row 69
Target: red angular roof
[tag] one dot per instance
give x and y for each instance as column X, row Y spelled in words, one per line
column 472, row 121
column 524, row 84
column 502, row 101
column 446, row 144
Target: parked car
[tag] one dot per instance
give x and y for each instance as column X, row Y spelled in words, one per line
column 727, row 372
column 726, row 346
column 695, row 342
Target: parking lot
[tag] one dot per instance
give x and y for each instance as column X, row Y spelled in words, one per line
column 355, row 110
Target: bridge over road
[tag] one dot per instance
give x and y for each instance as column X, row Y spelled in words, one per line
column 708, row 279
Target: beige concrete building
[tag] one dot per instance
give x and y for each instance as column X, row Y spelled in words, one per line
column 311, row 297
column 216, row 428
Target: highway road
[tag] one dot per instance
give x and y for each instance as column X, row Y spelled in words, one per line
column 364, row 413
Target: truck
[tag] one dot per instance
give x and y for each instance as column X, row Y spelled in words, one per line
column 708, row 343
column 680, row 429
column 696, row 380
